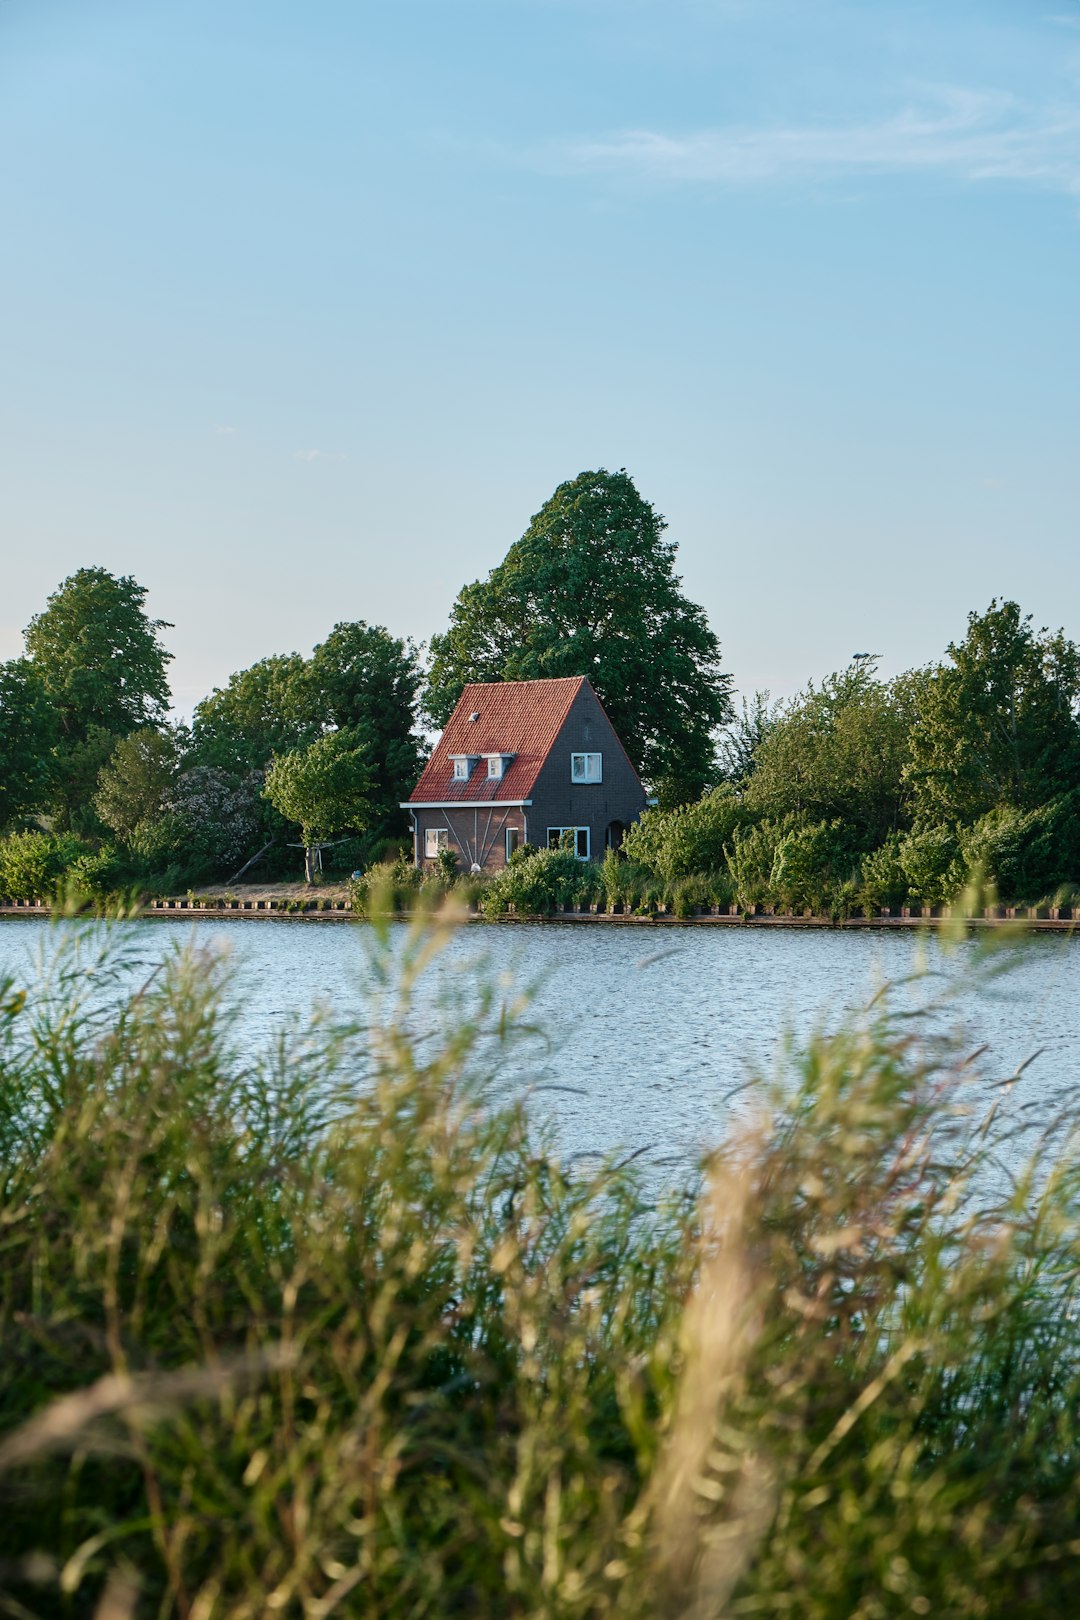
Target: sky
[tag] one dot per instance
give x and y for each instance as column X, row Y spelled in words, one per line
column 308, row 307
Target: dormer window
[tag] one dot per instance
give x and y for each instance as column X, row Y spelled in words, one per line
column 586, row 767
column 495, row 767
column 463, row 764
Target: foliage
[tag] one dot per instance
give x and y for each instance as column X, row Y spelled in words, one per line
column 262, row 711
column 99, row 657
column 540, row 883
column 324, row 788
column 997, row 727
column 590, row 589
column 883, row 882
column 742, row 737
column 361, row 680
column 812, row 864
column 327, row 1328
column 689, row 840
column 28, row 734
column 33, row 865
column 135, row 786
column 751, row 858
column 839, row 751
column 388, row 886
column 1028, row 855
column 209, row 823
column 933, row 865
column 364, row 680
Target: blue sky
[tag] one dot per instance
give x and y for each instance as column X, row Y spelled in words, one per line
column 309, row 307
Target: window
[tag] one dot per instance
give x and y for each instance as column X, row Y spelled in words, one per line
column 513, row 840
column 435, row 838
column 580, row 836
column 586, row 767
column 461, row 769
column 495, row 766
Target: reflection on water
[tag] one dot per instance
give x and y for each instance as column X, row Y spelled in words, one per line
column 649, row 1031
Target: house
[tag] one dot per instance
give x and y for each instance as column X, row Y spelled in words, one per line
column 523, row 762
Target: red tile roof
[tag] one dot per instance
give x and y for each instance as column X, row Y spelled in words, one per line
column 522, row 718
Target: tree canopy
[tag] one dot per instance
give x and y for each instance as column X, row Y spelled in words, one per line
column 134, row 787
column 98, row 655
column 838, row 750
column 360, row 679
column 28, row 732
column 591, row 589
column 324, row 788
column 264, row 710
column 365, row 681
column 998, row 725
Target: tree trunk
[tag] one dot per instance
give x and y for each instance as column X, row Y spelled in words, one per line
column 309, row 863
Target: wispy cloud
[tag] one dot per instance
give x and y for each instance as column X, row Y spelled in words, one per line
column 967, row 134
column 319, row 455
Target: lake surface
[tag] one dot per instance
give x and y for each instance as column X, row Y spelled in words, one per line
column 651, row 1030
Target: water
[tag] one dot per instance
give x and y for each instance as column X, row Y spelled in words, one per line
column 652, row 1031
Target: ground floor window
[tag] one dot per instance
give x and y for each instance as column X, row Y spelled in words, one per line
column 513, row 840
column 435, row 838
column 580, row 836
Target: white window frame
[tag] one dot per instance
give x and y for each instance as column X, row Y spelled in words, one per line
column 554, row 838
column 435, row 838
column 462, row 768
column 592, row 768
column 515, row 834
column 495, row 767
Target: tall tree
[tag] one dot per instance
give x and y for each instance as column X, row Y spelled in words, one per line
column 364, row 680
column 743, row 736
column 591, row 589
column 134, row 787
column 264, row 710
column 839, row 751
column 998, row 725
column 28, row 731
column 99, row 657
column 324, row 788
column 361, row 678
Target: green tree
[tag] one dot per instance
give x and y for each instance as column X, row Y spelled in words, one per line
column 690, row 839
column 365, row 681
column 264, row 710
column 98, row 656
column 741, row 739
column 998, row 725
column 591, row 589
column 135, row 785
column 839, row 751
column 324, row 789
column 361, row 679
column 28, row 733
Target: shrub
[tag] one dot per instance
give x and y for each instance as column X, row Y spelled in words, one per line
column 882, row 879
column 1030, row 855
column 391, row 885
column 541, row 883
column 751, row 857
column 622, row 880
column 33, row 865
column 690, row 840
column 933, row 865
column 811, row 864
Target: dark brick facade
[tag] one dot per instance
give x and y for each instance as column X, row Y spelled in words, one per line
column 477, row 831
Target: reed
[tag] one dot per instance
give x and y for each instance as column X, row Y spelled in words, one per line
column 328, row 1329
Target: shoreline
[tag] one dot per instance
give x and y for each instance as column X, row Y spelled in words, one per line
column 1020, row 919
